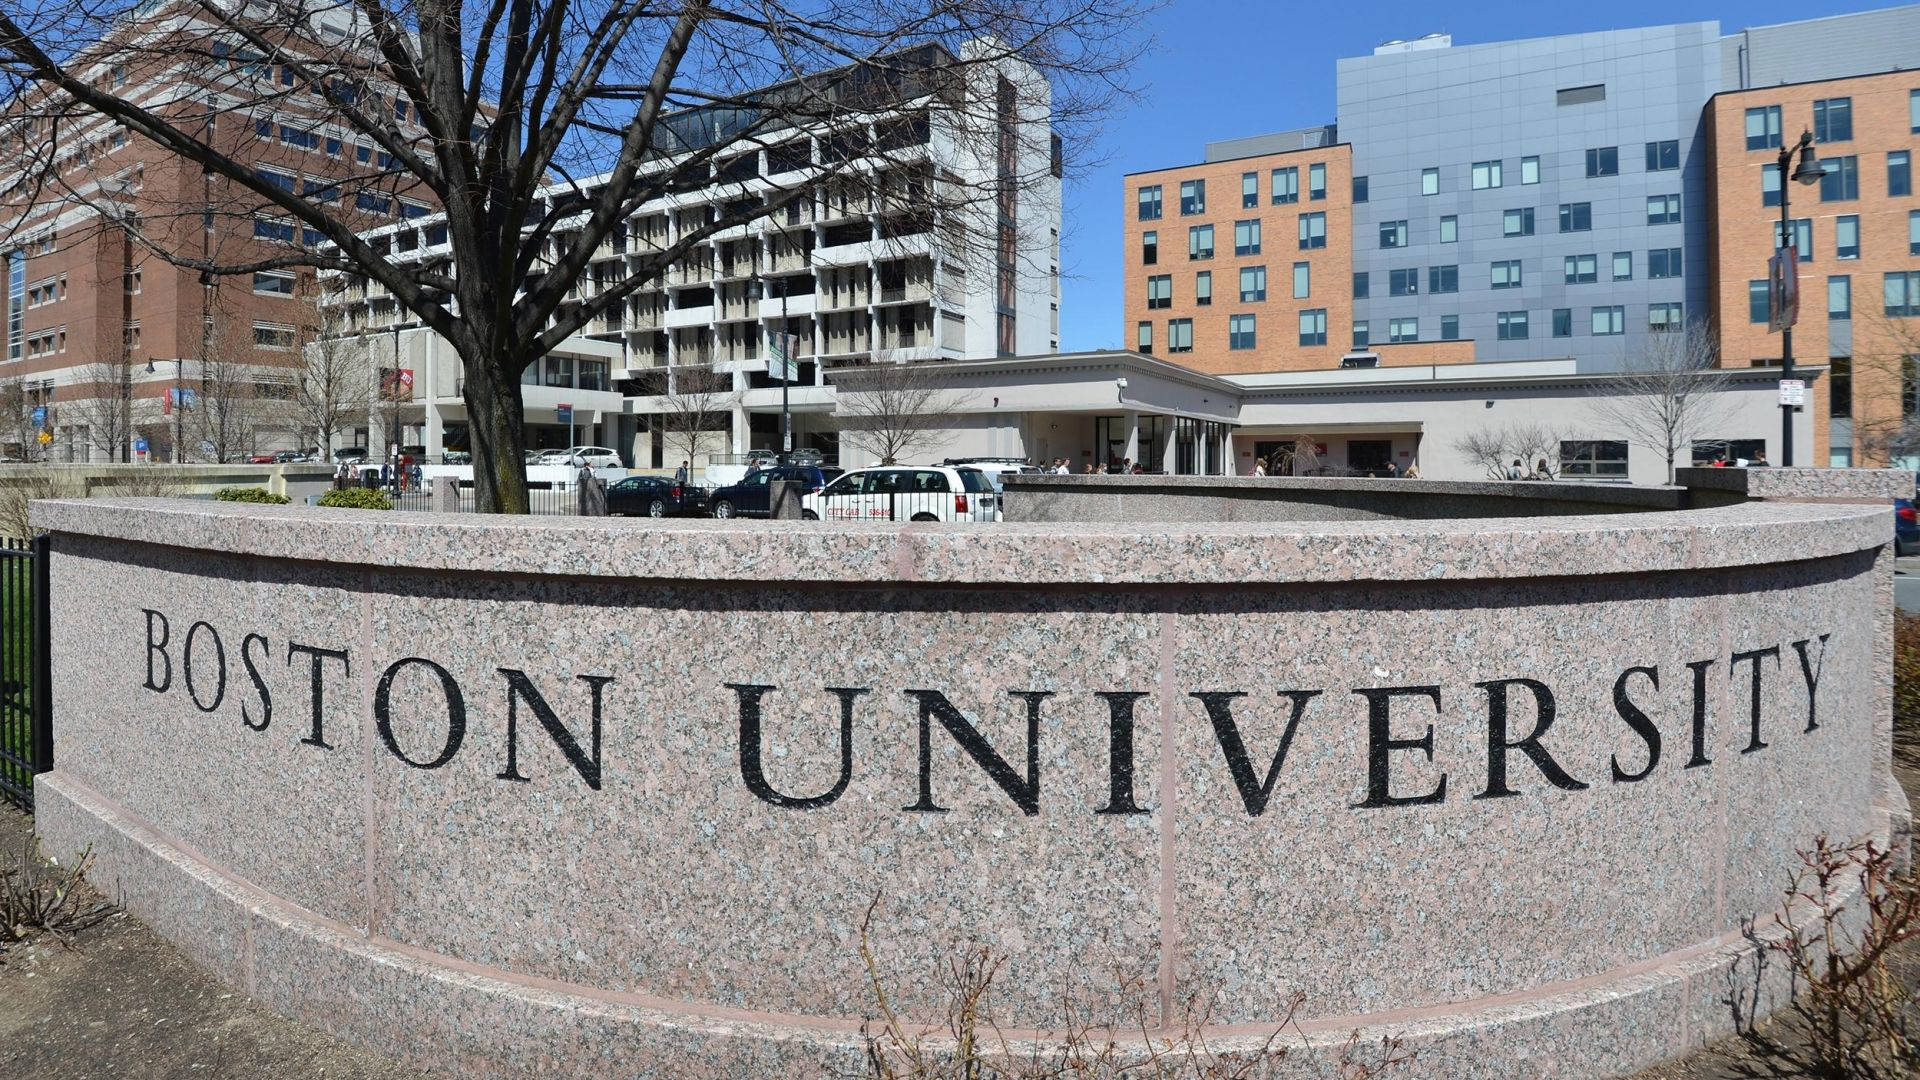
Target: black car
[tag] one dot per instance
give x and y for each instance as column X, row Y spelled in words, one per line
column 751, row 497
column 655, row 496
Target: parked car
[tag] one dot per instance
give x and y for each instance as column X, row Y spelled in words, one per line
column 349, row 454
column 598, row 457
column 655, row 496
column 995, row 468
column 752, row 497
column 456, row 457
column 292, row 457
column 1906, row 527
column 906, row 493
column 260, row 459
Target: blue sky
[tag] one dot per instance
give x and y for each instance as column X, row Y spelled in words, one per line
column 1220, row 69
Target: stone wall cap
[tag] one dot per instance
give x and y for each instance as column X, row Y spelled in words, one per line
column 1655, row 497
column 1016, row 554
column 1802, row 483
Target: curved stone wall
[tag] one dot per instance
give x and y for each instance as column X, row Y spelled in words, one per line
column 575, row 795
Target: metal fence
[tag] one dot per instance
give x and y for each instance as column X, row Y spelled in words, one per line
column 905, row 505
column 26, row 711
column 541, row 499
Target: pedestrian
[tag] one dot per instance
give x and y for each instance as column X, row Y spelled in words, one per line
column 1514, row 471
column 1413, row 472
column 1139, row 469
column 1060, row 467
column 680, row 475
column 1259, row 467
column 1540, row 470
column 1393, row 471
column 1090, row 469
column 1759, row 460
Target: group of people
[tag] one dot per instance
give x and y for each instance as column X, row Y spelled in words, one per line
column 399, row 473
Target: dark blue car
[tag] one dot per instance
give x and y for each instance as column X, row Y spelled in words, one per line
column 1906, row 528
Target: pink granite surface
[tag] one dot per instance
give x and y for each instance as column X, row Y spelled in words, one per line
column 1802, row 483
column 499, row 926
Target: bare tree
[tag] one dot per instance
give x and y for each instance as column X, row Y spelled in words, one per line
column 17, row 431
column 482, row 109
column 1671, row 392
column 1884, row 367
column 698, row 402
column 1486, row 448
column 892, row 410
column 107, row 410
column 1531, row 446
column 335, row 385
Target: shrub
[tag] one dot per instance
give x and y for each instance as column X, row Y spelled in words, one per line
column 357, row 499
column 250, row 495
column 1906, row 684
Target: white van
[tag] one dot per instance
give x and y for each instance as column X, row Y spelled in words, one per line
column 906, row 493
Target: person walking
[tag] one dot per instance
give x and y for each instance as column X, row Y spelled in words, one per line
column 680, row 474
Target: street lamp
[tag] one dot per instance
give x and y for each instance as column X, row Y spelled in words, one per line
column 756, row 291
column 1808, row 171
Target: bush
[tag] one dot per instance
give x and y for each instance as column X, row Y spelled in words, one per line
column 357, row 499
column 250, row 495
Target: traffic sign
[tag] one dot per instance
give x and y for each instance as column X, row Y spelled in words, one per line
column 563, row 413
column 140, row 446
column 1793, row 392
column 39, row 416
column 46, row 437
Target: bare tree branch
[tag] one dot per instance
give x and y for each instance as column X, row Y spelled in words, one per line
column 1671, row 393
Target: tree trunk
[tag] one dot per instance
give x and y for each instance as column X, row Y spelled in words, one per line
column 496, row 432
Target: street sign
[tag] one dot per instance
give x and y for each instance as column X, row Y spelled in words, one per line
column 780, row 362
column 563, row 413
column 46, row 437
column 40, row 416
column 140, row 446
column 1793, row 392
column 1783, row 289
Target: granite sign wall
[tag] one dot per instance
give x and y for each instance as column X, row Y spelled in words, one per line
column 580, row 797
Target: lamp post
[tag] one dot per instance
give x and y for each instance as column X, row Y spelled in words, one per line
column 179, row 401
column 756, row 291
column 1808, row 171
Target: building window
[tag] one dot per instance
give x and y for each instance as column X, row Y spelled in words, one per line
column 1313, row 231
column 1663, row 317
column 1899, row 174
column 1913, row 111
column 268, row 229
column 1664, row 263
column 1593, row 457
column 1286, row 184
column 272, row 336
column 1770, row 185
column 1800, row 232
column 1840, row 386
column 1623, row 266
column 1563, row 322
column 1149, row 248
column 1429, row 181
column 1246, row 237
column 1149, row 209
column 1449, row 328
column 1403, row 330
column 1662, row 156
column 1840, row 297
column 1360, row 334
column 1511, row 326
column 1580, row 95
column 1603, row 161
column 1506, row 274
column 1359, row 189
column 1842, row 180
column 1253, row 284
column 1143, row 337
column 1663, row 209
column 1443, row 279
column 1200, row 242
column 1913, row 232
column 1203, row 288
column 1316, row 181
column 1486, row 174
column 1576, row 217
column 1757, row 302
column 1903, row 293
column 1449, row 228
column 1193, row 196
column 16, row 301
column 273, row 282
column 380, row 204
column 1582, row 269
column 1529, row 170
column 1403, row 282
column 1360, row 285
column 1833, row 120
column 1302, row 280
column 1313, row 326
column 1609, row 320
column 1249, row 190
column 1393, row 234
column 1763, row 128
column 1846, row 236
column 1179, row 335
column 1240, row 332
column 1160, row 291
column 1517, row 222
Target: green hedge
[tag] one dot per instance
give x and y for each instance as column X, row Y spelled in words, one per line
column 357, row 498
column 250, row 495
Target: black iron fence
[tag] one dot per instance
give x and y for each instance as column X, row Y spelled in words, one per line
column 903, row 504
column 542, row 498
column 26, row 711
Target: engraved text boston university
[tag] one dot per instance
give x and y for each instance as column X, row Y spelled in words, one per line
column 1516, row 752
